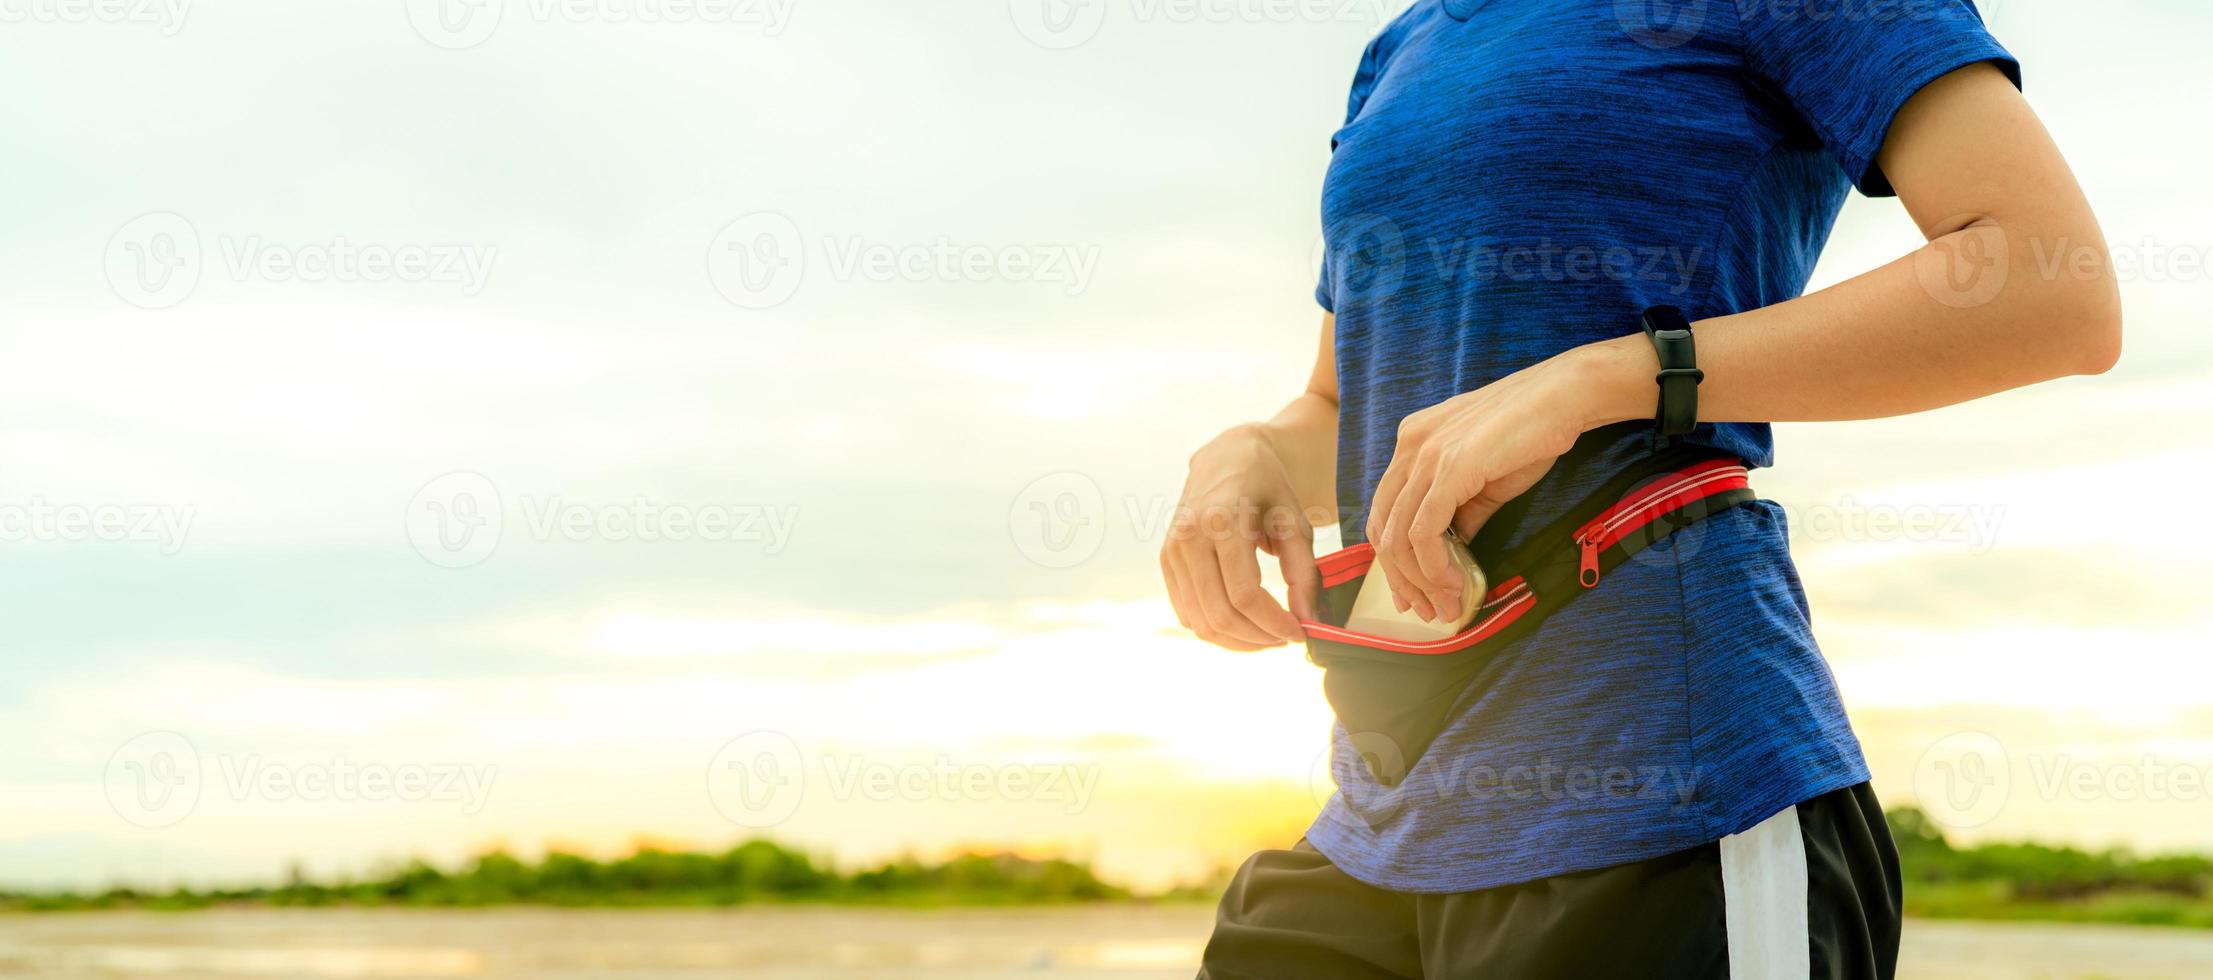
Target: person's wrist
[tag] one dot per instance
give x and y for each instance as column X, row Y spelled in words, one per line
column 1241, row 441
column 1612, row 381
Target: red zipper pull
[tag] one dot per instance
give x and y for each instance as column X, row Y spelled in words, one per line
column 1589, row 564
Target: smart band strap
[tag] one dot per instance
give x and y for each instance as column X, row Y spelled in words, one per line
column 1679, row 375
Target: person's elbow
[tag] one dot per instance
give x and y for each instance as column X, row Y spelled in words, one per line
column 2091, row 310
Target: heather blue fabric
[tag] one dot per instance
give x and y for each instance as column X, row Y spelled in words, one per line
column 1518, row 177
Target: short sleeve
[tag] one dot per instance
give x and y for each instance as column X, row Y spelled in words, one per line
column 1847, row 68
column 1363, row 82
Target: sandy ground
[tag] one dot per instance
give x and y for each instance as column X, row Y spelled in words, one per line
column 841, row 943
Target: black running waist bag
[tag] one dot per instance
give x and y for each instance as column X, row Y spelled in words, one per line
column 1393, row 697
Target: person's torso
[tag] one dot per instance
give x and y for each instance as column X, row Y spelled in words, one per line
column 1517, row 178
column 1530, row 179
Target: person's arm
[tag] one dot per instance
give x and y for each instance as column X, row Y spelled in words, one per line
column 1263, row 486
column 2015, row 287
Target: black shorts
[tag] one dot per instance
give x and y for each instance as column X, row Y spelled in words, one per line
column 1812, row 892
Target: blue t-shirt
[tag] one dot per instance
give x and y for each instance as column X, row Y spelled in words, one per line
column 1519, row 177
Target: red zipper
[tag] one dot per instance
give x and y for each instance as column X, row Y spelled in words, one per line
column 1589, row 564
column 1630, row 515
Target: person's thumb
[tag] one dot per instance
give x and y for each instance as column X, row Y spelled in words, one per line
column 1471, row 517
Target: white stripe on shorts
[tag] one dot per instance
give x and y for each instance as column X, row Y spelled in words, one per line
column 1763, row 889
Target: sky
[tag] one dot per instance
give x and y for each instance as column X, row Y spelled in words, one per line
column 427, row 427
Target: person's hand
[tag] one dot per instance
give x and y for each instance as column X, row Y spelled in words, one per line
column 1238, row 501
column 1458, row 462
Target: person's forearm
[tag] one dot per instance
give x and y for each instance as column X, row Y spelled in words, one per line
column 1304, row 436
column 1898, row 340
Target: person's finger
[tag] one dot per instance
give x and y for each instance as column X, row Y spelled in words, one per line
column 1176, row 594
column 1487, row 499
column 1432, row 516
column 1204, row 573
column 1400, row 563
column 1200, row 626
column 1413, row 538
column 1241, row 584
column 1406, row 474
column 1471, row 517
column 1302, row 574
column 1387, row 491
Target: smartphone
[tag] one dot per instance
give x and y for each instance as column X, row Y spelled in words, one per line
column 1375, row 614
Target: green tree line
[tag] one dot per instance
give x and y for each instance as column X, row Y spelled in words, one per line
column 1992, row 880
column 755, row 871
column 2012, row 880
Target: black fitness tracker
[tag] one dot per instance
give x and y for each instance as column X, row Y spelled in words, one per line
column 1679, row 374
